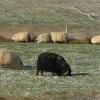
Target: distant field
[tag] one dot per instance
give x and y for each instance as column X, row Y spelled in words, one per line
column 47, row 15
column 84, row 84
column 49, row 12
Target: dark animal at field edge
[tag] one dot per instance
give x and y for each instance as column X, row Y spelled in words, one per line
column 51, row 62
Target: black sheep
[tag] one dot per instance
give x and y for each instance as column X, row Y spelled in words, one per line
column 51, row 62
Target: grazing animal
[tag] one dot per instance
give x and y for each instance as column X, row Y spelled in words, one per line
column 95, row 39
column 60, row 37
column 21, row 37
column 54, row 63
column 43, row 38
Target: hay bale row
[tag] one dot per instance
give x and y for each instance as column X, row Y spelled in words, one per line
column 56, row 37
column 42, row 38
column 61, row 37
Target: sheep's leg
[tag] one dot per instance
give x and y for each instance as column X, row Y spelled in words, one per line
column 53, row 74
column 69, row 71
column 42, row 72
column 37, row 72
column 58, row 73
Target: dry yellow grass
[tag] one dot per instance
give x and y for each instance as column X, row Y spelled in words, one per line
column 57, row 96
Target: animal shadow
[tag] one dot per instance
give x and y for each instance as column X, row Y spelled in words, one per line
column 80, row 74
column 27, row 67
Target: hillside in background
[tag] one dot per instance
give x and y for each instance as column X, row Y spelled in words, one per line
column 30, row 15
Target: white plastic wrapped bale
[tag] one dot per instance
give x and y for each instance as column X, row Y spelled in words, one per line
column 59, row 37
column 43, row 38
column 21, row 37
column 95, row 39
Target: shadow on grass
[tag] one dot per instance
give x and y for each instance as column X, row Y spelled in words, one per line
column 72, row 75
column 80, row 74
column 27, row 67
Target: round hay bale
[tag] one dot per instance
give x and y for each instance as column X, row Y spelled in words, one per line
column 95, row 39
column 21, row 37
column 9, row 59
column 43, row 38
column 60, row 37
column 78, row 38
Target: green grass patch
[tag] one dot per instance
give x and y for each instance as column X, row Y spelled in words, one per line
column 83, row 59
column 47, row 13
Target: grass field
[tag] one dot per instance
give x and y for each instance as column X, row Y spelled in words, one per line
column 49, row 12
column 84, row 84
column 43, row 16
